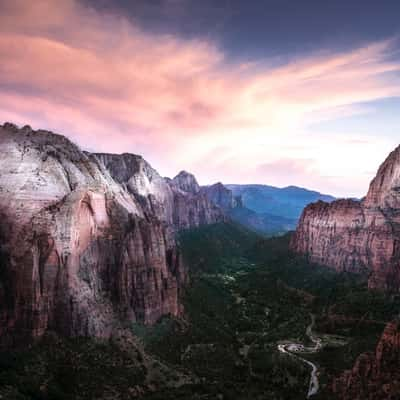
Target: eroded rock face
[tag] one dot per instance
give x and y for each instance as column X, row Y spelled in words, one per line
column 149, row 189
column 375, row 376
column 86, row 241
column 186, row 182
column 190, row 205
column 353, row 235
column 176, row 202
column 222, row 196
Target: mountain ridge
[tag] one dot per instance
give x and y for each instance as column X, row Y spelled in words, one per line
column 87, row 241
column 350, row 235
column 286, row 202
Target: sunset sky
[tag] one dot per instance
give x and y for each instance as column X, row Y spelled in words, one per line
column 276, row 92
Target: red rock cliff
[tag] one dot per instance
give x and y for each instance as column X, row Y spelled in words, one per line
column 350, row 235
column 85, row 247
column 375, row 376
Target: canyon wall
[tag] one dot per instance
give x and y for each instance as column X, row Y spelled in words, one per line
column 374, row 376
column 176, row 202
column 87, row 241
column 357, row 236
column 221, row 195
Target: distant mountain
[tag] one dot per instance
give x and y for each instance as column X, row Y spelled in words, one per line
column 220, row 195
column 233, row 206
column 262, row 222
column 287, row 202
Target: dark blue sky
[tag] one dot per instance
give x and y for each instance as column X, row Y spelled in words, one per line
column 264, row 28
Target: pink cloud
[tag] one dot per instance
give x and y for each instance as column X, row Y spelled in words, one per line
column 113, row 87
column 284, row 170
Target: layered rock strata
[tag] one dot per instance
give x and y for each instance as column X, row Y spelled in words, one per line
column 351, row 235
column 87, row 241
column 222, row 196
column 374, row 376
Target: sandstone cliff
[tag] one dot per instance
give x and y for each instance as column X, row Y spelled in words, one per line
column 186, row 182
column 191, row 206
column 222, row 196
column 87, row 242
column 353, row 235
column 375, row 376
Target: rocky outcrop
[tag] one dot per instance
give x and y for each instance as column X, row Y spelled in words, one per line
column 191, row 206
column 222, row 196
column 351, row 235
column 87, row 241
column 186, row 182
column 375, row 376
column 143, row 182
column 176, row 202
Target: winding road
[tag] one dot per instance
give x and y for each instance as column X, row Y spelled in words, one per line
column 294, row 349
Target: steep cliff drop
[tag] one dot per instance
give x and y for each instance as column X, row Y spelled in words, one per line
column 374, row 375
column 87, row 241
column 221, row 195
column 358, row 236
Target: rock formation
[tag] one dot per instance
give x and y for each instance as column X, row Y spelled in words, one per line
column 287, row 202
column 191, row 205
column 176, row 202
column 233, row 206
column 351, row 235
column 375, row 376
column 186, row 182
column 87, row 241
column 222, row 196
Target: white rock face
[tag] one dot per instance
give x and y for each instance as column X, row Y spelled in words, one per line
column 178, row 202
column 138, row 178
column 86, row 241
column 186, row 182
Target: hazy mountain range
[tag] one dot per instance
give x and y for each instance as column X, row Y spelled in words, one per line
column 272, row 210
column 287, row 202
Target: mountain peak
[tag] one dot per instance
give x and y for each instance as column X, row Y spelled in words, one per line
column 186, row 182
column 219, row 194
column 384, row 189
column 356, row 236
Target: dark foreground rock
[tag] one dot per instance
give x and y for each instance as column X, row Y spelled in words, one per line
column 375, row 376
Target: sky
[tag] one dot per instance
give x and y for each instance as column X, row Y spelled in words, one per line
column 275, row 92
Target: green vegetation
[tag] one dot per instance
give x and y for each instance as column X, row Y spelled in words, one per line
column 212, row 248
column 246, row 294
column 66, row 369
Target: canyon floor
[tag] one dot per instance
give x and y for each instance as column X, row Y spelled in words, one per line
column 247, row 295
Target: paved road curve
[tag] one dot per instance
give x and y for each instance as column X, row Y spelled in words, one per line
column 294, row 349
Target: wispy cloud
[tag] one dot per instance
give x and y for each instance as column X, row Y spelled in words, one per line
column 114, row 87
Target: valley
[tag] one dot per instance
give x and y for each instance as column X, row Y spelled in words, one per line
column 243, row 303
column 117, row 283
column 258, row 322
column 199, row 200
